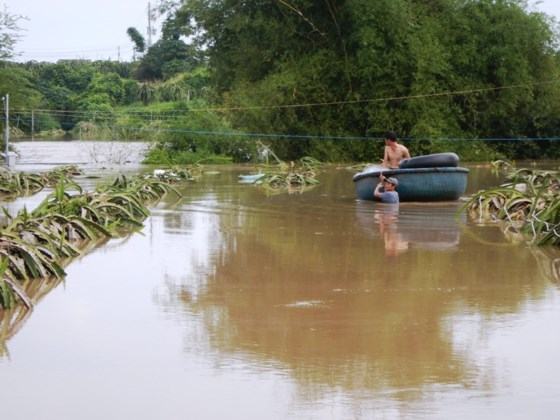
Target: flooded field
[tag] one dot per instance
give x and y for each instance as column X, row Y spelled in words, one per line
column 234, row 304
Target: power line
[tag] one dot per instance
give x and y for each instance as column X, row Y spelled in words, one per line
column 383, row 99
column 78, row 55
column 150, row 18
column 229, row 134
column 104, row 115
column 332, row 103
column 360, row 101
column 175, row 115
column 81, row 50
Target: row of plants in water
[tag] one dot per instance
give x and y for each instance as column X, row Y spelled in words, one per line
column 277, row 176
column 17, row 184
column 298, row 176
column 38, row 244
column 527, row 205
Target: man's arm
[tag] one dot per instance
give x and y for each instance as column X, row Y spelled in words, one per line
column 385, row 158
column 377, row 191
column 406, row 153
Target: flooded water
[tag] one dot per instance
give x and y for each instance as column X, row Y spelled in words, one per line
column 235, row 304
column 90, row 155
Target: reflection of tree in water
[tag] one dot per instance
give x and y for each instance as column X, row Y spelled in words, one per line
column 317, row 293
column 12, row 320
column 548, row 260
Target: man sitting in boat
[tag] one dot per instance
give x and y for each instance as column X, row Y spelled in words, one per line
column 385, row 190
column 394, row 152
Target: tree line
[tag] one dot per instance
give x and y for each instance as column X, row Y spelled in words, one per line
column 318, row 71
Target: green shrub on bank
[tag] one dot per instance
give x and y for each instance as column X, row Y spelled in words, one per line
column 54, row 134
column 158, row 155
column 16, row 133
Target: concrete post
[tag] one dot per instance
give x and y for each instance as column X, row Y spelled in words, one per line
column 9, row 157
column 6, row 124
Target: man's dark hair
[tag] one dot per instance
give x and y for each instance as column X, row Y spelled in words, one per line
column 391, row 135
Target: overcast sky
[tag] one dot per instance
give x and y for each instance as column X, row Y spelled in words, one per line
column 92, row 29
column 96, row 29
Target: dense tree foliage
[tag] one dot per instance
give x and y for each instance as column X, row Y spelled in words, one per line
column 137, row 38
column 26, row 95
column 78, row 85
column 169, row 56
column 166, row 58
column 282, row 52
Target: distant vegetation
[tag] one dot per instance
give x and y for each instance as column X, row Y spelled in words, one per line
column 225, row 71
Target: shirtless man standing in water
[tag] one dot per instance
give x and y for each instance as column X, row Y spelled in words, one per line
column 394, row 152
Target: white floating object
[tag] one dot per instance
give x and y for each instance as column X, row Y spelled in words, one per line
column 249, row 179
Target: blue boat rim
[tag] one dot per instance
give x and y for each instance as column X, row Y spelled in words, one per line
column 391, row 172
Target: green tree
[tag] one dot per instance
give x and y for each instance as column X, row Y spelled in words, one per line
column 110, row 85
column 267, row 54
column 146, row 92
column 138, row 40
column 18, row 82
column 10, row 32
column 166, row 58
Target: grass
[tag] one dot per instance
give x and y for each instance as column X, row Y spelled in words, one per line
column 167, row 157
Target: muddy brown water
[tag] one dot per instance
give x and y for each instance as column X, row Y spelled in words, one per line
column 234, row 304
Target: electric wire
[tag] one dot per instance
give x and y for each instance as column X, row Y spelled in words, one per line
column 167, row 116
column 368, row 100
column 242, row 134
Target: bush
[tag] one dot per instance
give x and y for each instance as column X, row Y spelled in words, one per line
column 54, row 134
column 162, row 156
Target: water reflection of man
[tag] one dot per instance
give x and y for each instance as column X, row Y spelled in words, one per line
column 387, row 219
column 386, row 190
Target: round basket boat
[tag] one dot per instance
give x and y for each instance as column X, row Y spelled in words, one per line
column 435, row 160
column 416, row 184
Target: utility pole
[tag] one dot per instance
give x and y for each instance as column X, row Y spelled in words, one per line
column 119, row 54
column 6, row 100
column 149, row 25
column 9, row 157
column 32, row 124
